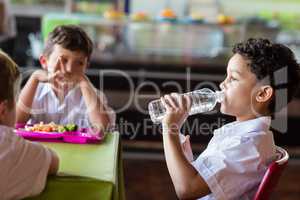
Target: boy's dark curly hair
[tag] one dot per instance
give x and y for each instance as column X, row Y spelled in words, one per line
column 274, row 61
column 70, row 37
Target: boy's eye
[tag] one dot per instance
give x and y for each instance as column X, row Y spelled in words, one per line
column 63, row 60
column 232, row 79
column 80, row 63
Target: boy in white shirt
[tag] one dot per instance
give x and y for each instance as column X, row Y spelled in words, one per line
column 24, row 165
column 61, row 92
column 236, row 158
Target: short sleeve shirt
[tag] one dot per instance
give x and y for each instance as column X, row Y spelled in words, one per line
column 47, row 108
column 236, row 159
column 24, row 166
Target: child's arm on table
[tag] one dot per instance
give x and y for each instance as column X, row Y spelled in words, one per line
column 96, row 110
column 187, row 182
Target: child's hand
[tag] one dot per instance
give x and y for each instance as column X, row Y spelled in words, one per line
column 177, row 107
column 73, row 77
column 44, row 76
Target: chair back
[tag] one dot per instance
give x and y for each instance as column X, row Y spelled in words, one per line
column 272, row 175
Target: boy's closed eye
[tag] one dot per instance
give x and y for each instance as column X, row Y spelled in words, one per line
column 232, row 79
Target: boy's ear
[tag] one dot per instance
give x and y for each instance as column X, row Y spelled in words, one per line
column 43, row 61
column 264, row 94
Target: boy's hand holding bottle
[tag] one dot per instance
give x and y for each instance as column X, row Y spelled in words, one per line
column 177, row 107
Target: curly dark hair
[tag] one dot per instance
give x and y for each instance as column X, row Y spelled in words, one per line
column 70, row 37
column 272, row 61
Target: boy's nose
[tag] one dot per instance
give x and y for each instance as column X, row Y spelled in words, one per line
column 68, row 68
column 65, row 68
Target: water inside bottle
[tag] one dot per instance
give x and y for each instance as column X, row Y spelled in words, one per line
column 157, row 111
column 202, row 101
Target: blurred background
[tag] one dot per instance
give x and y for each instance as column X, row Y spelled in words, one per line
column 153, row 42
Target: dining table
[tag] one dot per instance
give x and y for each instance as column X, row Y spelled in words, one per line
column 87, row 171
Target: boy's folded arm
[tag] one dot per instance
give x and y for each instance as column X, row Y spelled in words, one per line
column 187, row 182
column 25, row 100
column 96, row 104
column 22, row 117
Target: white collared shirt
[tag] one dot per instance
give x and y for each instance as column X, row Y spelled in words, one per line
column 236, row 159
column 24, row 166
column 47, row 108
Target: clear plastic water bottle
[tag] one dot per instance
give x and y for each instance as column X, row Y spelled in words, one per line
column 203, row 100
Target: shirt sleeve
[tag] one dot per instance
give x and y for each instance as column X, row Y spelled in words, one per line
column 27, row 167
column 237, row 166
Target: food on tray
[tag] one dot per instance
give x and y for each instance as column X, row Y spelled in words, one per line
column 51, row 127
column 52, row 132
column 71, row 127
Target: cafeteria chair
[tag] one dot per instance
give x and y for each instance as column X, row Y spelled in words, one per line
column 272, row 175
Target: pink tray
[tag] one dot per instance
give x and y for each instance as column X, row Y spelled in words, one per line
column 82, row 136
